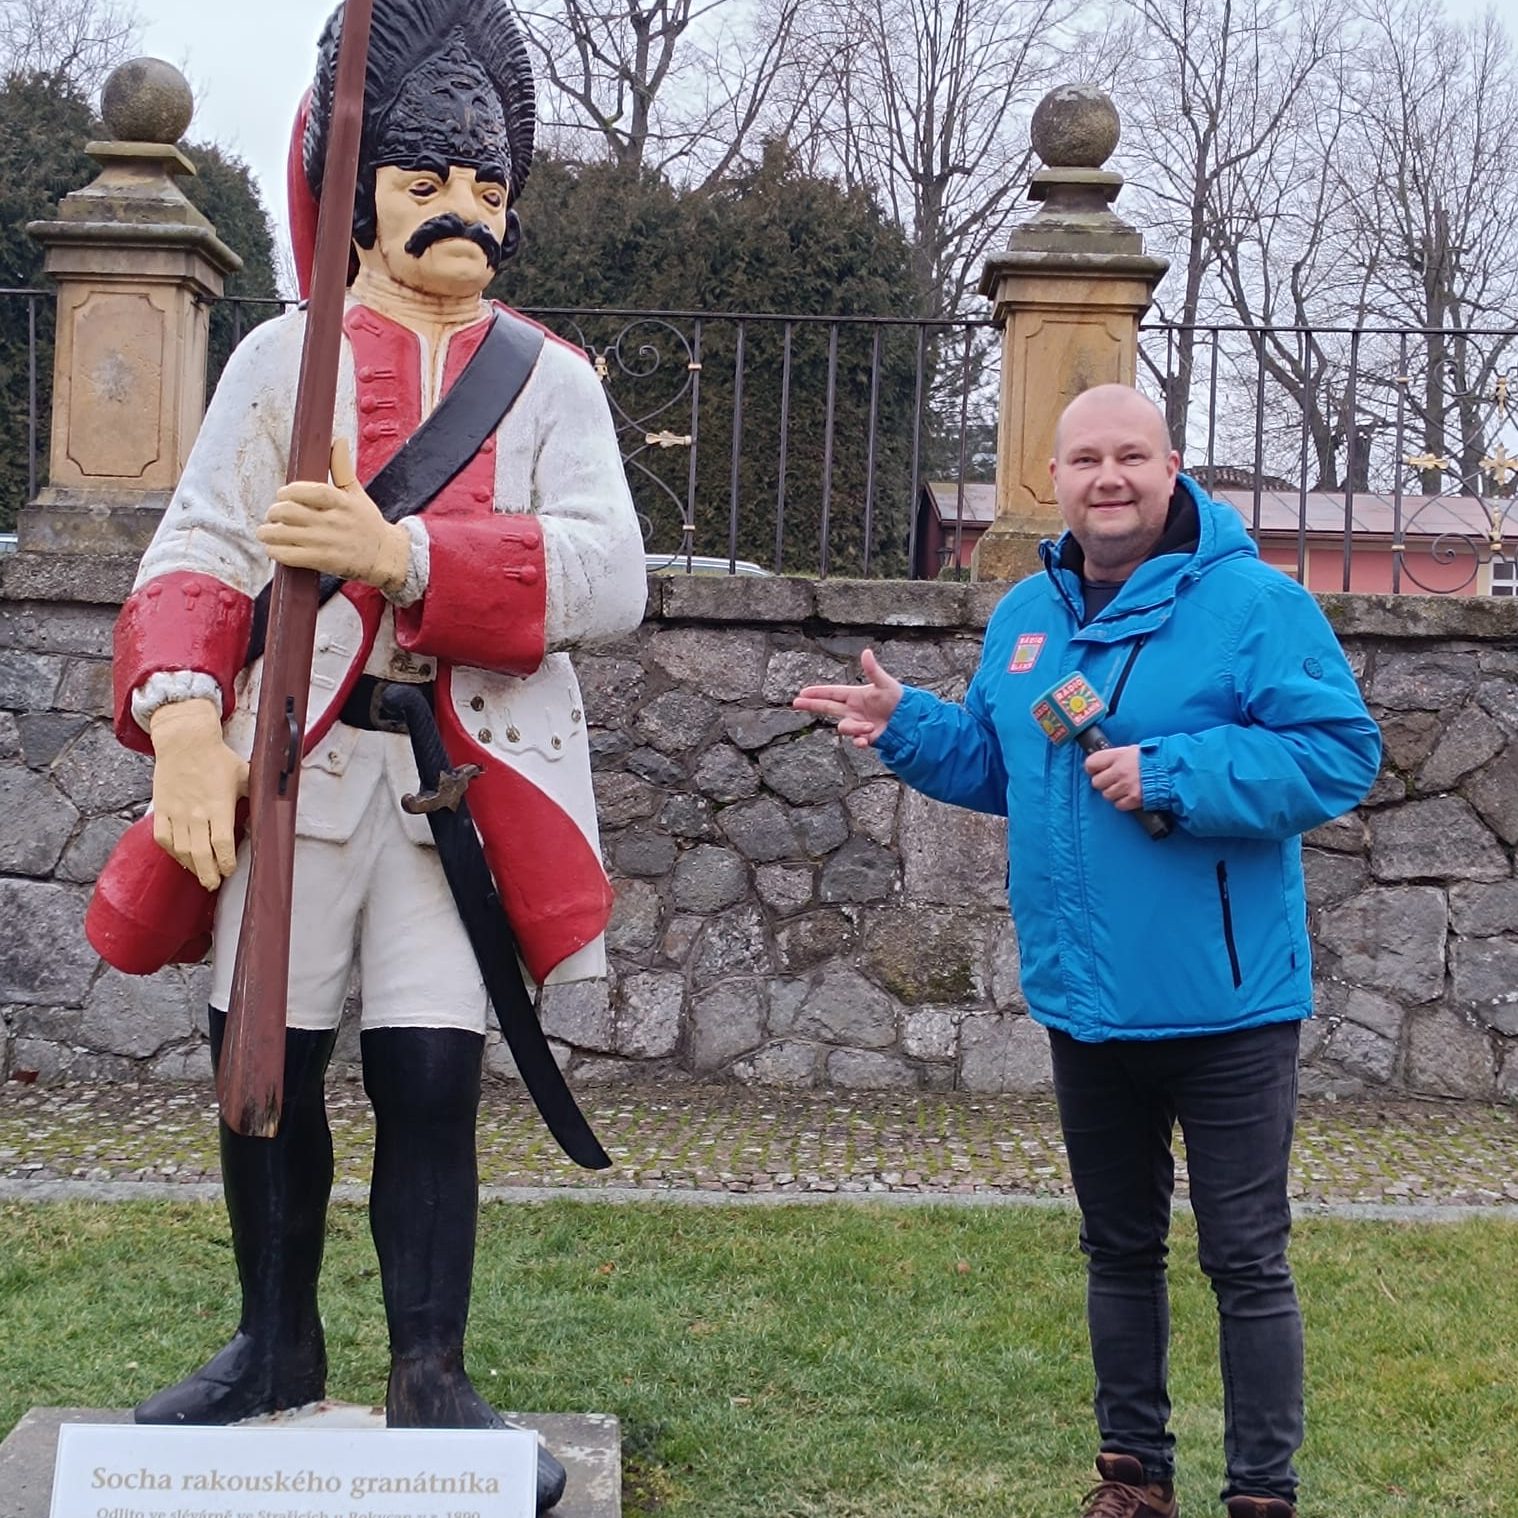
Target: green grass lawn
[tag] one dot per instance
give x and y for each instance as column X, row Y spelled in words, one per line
column 828, row 1362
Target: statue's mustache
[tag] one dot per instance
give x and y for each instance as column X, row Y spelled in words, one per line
column 451, row 224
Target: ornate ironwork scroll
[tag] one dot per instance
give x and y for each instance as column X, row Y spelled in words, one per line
column 1476, row 479
column 650, row 369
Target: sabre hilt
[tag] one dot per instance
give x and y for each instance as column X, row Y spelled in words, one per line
column 451, row 785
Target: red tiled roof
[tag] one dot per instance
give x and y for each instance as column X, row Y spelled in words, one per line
column 1372, row 513
column 1282, row 510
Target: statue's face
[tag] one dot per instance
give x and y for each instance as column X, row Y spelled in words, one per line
column 409, row 246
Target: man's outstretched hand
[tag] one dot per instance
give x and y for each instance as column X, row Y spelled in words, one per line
column 861, row 711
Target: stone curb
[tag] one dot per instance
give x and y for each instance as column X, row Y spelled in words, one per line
column 209, row 1191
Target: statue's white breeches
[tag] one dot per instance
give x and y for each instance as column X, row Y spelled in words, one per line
column 377, row 898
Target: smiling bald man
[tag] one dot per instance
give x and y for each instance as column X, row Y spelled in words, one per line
column 1170, row 963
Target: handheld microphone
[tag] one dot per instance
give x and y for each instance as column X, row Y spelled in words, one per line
column 1069, row 709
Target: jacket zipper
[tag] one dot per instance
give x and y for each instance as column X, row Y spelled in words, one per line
column 1227, row 905
column 1122, row 679
column 1046, row 554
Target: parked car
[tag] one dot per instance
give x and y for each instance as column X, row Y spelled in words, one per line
column 699, row 564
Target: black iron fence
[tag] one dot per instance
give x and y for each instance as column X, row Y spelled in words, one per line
column 26, row 354
column 1364, row 458
column 798, row 443
column 1359, row 458
column 789, row 443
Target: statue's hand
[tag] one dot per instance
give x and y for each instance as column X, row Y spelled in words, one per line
column 196, row 782
column 337, row 529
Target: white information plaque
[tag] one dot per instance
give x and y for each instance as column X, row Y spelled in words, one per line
column 130, row 1471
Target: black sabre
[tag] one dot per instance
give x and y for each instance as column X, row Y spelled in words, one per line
column 396, row 706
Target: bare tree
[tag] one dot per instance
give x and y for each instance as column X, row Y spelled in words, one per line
column 1389, row 213
column 1431, row 198
column 79, row 40
column 1337, row 184
column 673, row 85
column 1282, row 268
column 925, row 103
column 1212, row 91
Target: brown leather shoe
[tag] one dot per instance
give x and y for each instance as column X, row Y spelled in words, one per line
column 1124, row 1493
column 1259, row 1507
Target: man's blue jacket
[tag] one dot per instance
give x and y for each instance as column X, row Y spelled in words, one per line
column 1251, row 731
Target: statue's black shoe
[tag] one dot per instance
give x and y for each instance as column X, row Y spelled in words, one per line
column 241, row 1380
column 432, row 1390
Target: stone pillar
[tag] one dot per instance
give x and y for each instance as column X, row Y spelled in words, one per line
column 136, row 265
column 1068, row 294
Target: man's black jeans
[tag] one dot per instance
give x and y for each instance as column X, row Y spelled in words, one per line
column 1235, row 1096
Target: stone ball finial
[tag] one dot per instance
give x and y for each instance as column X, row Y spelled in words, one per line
column 147, row 100
column 1075, row 126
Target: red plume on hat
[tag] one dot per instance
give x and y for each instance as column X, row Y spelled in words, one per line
column 303, row 204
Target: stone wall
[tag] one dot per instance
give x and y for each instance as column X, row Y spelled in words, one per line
column 787, row 913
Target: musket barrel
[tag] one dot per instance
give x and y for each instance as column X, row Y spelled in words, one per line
column 251, row 1072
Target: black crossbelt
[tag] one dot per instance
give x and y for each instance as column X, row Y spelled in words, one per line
column 396, row 707
column 474, row 406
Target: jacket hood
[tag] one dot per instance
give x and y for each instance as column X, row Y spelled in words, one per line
column 1151, row 587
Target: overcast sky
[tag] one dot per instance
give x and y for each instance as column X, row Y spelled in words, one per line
column 249, row 64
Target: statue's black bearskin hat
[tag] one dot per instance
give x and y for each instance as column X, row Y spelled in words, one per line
column 448, row 82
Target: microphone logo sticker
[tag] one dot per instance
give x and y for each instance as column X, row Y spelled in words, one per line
column 1056, row 729
column 1025, row 655
column 1078, row 699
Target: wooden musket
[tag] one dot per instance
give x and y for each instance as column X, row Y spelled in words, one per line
column 250, row 1084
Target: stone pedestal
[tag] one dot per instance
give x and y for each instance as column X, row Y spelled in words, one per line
column 136, row 265
column 1068, row 294
column 588, row 1444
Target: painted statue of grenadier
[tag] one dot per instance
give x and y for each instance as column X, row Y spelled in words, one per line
column 465, row 608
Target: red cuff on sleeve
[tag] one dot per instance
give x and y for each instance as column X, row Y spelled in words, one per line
column 177, row 621
column 487, row 594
